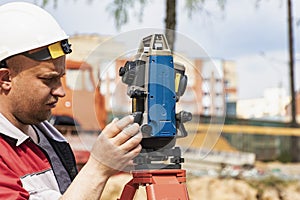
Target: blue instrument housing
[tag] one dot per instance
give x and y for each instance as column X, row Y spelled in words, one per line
column 161, row 96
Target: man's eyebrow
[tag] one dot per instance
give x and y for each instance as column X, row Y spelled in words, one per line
column 52, row 74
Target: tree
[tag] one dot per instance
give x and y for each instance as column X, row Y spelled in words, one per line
column 294, row 140
column 120, row 9
column 45, row 2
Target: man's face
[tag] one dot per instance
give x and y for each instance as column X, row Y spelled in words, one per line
column 35, row 88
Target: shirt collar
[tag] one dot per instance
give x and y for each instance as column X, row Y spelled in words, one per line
column 8, row 129
column 46, row 128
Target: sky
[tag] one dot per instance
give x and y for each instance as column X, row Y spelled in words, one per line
column 254, row 37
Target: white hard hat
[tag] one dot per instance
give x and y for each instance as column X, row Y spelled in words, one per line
column 25, row 26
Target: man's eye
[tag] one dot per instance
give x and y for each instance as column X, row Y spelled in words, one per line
column 46, row 78
column 50, row 78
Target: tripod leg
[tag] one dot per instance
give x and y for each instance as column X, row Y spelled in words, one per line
column 160, row 184
column 128, row 191
column 166, row 188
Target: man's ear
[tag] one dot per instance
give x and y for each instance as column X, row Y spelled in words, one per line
column 5, row 79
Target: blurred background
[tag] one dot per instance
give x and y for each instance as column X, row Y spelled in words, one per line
column 242, row 60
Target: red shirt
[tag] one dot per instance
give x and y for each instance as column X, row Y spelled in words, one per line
column 25, row 171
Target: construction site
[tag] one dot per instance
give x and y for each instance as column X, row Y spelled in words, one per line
column 217, row 165
column 156, row 100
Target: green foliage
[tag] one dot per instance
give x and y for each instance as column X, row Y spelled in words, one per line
column 55, row 2
column 284, row 157
column 269, row 182
column 120, row 10
column 193, row 6
column 45, row 2
column 273, row 181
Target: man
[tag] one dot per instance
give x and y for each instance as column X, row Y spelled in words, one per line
column 36, row 162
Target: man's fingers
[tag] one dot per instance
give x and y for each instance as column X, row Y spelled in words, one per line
column 133, row 152
column 125, row 121
column 132, row 143
column 116, row 126
column 126, row 133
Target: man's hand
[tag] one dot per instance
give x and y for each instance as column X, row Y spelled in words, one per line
column 117, row 145
column 114, row 148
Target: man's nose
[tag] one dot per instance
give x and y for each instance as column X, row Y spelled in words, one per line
column 58, row 91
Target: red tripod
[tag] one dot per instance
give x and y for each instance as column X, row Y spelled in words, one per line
column 163, row 184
